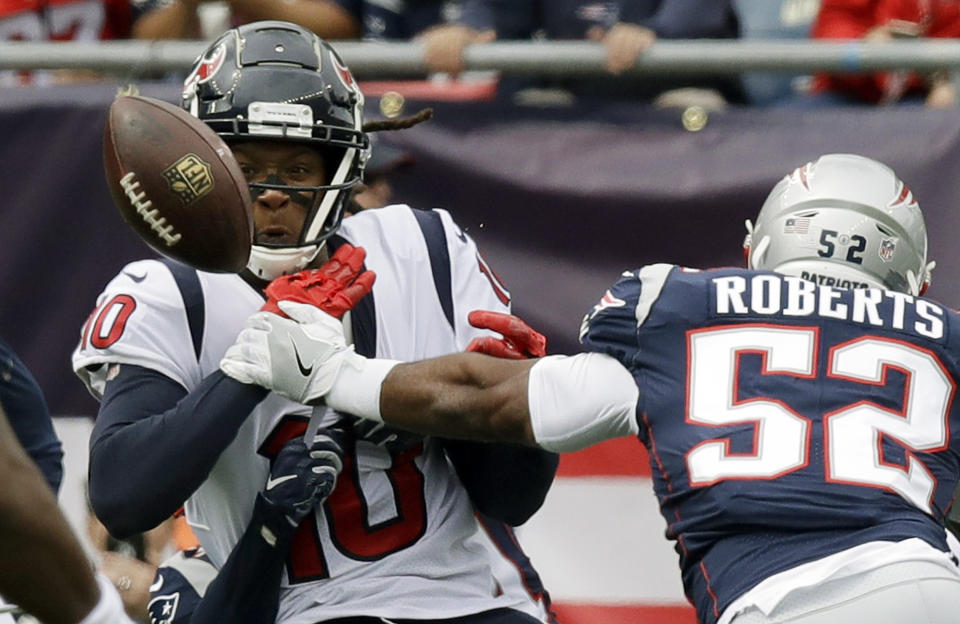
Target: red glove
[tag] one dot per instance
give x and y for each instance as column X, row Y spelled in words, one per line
column 335, row 287
column 519, row 342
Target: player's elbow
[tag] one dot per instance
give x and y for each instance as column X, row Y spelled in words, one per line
column 113, row 513
column 514, row 501
column 113, row 503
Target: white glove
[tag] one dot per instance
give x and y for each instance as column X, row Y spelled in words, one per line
column 298, row 357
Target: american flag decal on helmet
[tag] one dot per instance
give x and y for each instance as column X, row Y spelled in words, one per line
column 796, row 225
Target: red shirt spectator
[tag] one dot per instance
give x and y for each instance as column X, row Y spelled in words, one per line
column 63, row 20
column 883, row 20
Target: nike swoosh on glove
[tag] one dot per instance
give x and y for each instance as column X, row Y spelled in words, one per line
column 302, row 477
column 298, row 357
column 335, row 287
column 519, row 341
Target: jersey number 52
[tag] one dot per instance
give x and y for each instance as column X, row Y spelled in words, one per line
column 853, row 452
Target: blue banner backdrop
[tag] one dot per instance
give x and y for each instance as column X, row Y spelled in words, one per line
column 560, row 200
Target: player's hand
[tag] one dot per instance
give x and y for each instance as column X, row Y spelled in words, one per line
column 298, row 357
column 302, row 476
column 335, row 287
column 519, row 341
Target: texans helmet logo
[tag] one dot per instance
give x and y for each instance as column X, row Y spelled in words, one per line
column 345, row 76
column 207, row 68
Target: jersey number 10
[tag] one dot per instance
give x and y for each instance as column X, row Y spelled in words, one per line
column 350, row 531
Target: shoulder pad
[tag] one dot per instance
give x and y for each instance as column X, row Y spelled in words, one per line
column 612, row 325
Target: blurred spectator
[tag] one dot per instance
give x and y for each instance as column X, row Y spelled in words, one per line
column 885, row 20
column 64, row 20
column 377, row 189
column 330, row 19
column 178, row 19
column 626, row 28
column 776, row 19
column 378, row 20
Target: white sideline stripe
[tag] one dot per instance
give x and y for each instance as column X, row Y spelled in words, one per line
column 600, row 540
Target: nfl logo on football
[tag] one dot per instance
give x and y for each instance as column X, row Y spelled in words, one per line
column 190, row 178
column 887, row 248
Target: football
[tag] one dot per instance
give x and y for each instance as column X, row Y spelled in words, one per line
column 177, row 184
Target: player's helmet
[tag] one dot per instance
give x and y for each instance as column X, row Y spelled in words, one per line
column 845, row 217
column 278, row 81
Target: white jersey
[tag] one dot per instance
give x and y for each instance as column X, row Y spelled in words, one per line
column 398, row 537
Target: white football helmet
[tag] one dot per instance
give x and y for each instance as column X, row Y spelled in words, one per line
column 843, row 220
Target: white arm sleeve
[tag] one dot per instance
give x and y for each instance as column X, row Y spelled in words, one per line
column 581, row 400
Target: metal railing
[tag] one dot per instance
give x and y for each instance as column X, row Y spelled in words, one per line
column 135, row 58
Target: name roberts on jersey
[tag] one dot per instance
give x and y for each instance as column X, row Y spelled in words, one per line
column 771, row 294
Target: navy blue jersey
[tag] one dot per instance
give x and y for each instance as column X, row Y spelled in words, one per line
column 179, row 586
column 574, row 19
column 785, row 421
column 26, row 409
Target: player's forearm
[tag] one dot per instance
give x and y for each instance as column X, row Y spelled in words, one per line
column 325, row 18
column 247, row 588
column 143, row 464
column 463, row 396
column 41, row 556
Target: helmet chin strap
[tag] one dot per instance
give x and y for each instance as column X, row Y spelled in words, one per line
column 754, row 255
column 269, row 264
